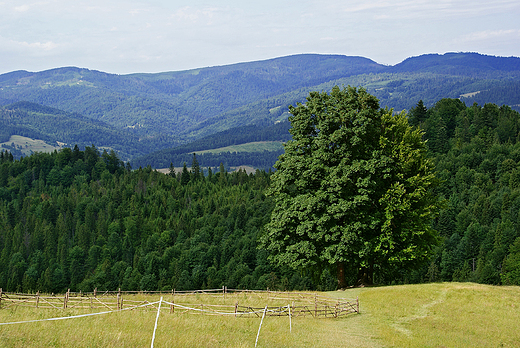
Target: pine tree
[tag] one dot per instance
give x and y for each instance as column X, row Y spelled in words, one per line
column 195, row 168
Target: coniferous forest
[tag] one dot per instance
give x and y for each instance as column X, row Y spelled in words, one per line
column 80, row 220
column 83, row 219
column 477, row 155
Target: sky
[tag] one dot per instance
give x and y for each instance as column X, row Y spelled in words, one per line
column 130, row 36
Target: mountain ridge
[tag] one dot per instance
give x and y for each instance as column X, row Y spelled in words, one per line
column 180, row 107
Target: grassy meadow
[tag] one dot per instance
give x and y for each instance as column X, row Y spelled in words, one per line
column 248, row 147
column 427, row 315
column 28, row 145
column 438, row 315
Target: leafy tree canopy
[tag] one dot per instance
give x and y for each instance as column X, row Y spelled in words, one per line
column 352, row 190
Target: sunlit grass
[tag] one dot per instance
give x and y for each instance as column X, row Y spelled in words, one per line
column 442, row 315
column 427, row 315
column 178, row 328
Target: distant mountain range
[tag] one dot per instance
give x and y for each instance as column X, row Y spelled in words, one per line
column 139, row 114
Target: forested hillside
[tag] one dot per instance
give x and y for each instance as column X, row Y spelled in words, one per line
column 52, row 126
column 178, row 103
column 80, row 220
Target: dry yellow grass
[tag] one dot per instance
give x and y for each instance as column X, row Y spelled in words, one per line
column 427, row 315
column 441, row 315
column 134, row 328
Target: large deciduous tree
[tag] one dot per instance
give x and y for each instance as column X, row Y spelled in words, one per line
column 353, row 189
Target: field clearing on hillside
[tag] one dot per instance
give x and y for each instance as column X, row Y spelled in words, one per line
column 28, row 145
column 248, row 147
column 426, row 315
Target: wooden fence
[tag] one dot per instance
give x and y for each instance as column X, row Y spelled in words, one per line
column 299, row 303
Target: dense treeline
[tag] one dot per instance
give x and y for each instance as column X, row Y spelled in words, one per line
column 477, row 155
column 83, row 220
column 466, row 64
column 264, row 160
column 236, row 136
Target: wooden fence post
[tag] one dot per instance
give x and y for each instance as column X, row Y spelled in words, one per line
column 315, row 305
column 95, row 292
column 357, row 304
column 37, row 298
column 236, row 308
column 66, row 299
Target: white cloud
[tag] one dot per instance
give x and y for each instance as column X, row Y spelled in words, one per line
column 490, row 35
column 22, row 8
column 37, row 48
column 46, row 46
column 202, row 16
column 382, row 9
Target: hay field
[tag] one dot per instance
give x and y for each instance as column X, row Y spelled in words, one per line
column 426, row 315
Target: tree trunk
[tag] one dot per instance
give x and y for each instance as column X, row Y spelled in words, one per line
column 366, row 276
column 342, row 284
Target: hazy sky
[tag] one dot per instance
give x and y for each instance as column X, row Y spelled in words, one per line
column 125, row 36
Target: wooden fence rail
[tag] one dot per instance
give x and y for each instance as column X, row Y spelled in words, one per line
column 301, row 304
